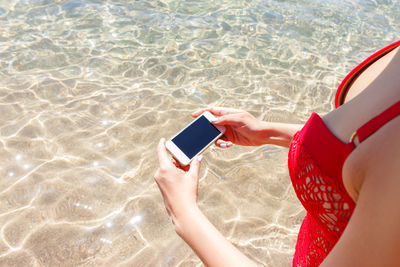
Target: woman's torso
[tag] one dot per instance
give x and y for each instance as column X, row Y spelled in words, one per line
column 319, row 151
column 372, row 92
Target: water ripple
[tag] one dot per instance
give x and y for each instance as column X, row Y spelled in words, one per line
column 87, row 88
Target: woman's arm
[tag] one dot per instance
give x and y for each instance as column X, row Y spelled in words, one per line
column 207, row 242
column 280, row 134
column 372, row 236
column 179, row 186
column 179, row 190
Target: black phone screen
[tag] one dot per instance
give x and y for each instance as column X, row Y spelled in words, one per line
column 196, row 136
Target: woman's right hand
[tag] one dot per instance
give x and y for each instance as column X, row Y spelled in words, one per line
column 242, row 128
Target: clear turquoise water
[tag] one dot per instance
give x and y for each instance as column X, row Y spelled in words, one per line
column 87, row 88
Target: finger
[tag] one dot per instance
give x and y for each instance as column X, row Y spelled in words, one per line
column 175, row 161
column 223, row 137
column 199, row 112
column 223, row 144
column 181, row 167
column 195, row 166
column 218, row 111
column 163, row 156
column 231, row 119
column 185, row 168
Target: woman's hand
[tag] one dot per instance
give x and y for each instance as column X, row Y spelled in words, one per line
column 242, row 128
column 179, row 190
column 178, row 185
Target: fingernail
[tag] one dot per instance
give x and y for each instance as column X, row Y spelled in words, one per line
column 229, row 144
column 199, row 158
column 223, row 145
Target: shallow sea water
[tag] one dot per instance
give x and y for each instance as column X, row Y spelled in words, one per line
column 87, row 89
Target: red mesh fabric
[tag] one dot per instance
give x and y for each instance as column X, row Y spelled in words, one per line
column 323, row 195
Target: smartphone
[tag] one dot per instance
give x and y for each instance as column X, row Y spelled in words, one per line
column 194, row 138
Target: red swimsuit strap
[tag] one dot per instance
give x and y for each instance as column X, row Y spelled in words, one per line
column 377, row 122
column 348, row 80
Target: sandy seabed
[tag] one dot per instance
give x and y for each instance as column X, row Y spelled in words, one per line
column 87, row 89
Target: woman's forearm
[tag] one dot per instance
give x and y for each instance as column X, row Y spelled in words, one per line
column 207, row 242
column 276, row 133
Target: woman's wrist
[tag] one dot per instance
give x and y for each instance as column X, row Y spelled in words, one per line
column 276, row 133
column 184, row 219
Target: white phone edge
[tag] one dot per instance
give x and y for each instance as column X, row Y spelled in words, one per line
column 178, row 154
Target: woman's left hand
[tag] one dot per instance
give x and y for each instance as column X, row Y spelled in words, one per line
column 178, row 185
column 179, row 190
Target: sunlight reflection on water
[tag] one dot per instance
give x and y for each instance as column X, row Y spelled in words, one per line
column 88, row 88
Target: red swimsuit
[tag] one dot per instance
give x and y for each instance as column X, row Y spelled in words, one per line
column 316, row 158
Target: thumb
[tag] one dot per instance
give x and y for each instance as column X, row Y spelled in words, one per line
column 195, row 166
